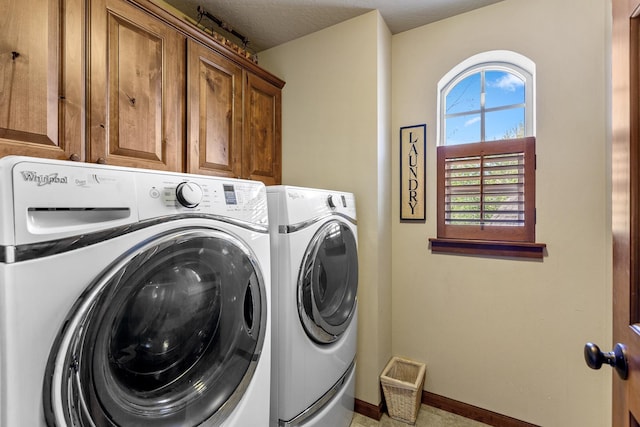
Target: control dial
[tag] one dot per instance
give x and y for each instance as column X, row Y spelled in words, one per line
column 189, row 194
column 331, row 202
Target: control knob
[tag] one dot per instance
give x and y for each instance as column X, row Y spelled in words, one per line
column 331, row 202
column 189, row 194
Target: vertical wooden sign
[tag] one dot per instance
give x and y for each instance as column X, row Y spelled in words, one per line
column 412, row 172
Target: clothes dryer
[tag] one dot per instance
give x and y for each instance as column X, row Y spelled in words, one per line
column 314, row 283
column 132, row 297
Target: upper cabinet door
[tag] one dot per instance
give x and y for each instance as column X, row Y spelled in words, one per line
column 262, row 147
column 41, row 78
column 137, row 88
column 214, row 113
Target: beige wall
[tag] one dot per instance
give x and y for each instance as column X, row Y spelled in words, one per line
column 336, row 134
column 505, row 335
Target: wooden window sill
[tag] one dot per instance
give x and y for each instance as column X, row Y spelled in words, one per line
column 488, row 248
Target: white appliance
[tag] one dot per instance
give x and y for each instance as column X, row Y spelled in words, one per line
column 314, row 286
column 132, row 297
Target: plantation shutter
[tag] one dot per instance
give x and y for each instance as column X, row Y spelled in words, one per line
column 486, row 191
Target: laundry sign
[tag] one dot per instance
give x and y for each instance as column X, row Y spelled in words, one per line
column 412, row 172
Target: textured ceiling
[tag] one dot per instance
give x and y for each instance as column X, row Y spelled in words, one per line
column 268, row 23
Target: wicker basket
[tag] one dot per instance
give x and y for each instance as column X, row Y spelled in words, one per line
column 402, row 382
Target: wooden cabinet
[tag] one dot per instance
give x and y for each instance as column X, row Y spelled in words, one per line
column 41, row 78
column 262, row 152
column 136, row 115
column 124, row 82
column 214, row 136
column 234, row 119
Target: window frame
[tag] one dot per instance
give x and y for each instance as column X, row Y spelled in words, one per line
column 501, row 241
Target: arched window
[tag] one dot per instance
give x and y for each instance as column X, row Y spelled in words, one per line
column 486, row 157
column 487, row 97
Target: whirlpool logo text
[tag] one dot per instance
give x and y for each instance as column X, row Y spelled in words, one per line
column 52, row 178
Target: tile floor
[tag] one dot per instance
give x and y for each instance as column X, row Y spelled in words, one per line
column 428, row 416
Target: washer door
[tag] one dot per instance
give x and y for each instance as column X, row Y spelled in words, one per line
column 170, row 335
column 328, row 282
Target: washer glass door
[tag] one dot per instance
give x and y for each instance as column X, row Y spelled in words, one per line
column 328, row 282
column 169, row 335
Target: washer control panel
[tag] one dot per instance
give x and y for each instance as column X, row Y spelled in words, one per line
column 53, row 199
column 189, row 194
column 167, row 194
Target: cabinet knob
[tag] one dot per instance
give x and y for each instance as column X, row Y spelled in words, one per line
column 74, row 157
column 101, row 161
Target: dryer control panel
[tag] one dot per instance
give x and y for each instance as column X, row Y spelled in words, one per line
column 304, row 204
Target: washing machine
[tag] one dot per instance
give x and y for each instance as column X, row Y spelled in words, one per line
column 132, row 297
column 314, row 286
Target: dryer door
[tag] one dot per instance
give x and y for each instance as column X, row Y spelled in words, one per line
column 170, row 335
column 328, row 282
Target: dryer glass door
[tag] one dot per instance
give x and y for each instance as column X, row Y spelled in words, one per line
column 170, row 335
column 328, row 282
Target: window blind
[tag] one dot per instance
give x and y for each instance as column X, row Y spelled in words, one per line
column 487, row 190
